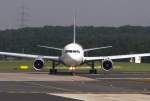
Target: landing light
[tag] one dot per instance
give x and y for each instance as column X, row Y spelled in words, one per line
column 72, row 68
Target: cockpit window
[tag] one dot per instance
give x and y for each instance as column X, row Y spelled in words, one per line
column 72, row 51
column 68, row 51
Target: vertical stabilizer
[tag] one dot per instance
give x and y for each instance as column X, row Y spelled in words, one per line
column 74, row 30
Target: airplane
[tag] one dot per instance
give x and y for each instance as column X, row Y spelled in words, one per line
column 73, row 55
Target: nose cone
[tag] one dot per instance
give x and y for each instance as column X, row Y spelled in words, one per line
column 72, row 59
column 73, row 54
column 76, row 58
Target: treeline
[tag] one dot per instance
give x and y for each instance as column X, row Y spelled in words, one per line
column 124, row 39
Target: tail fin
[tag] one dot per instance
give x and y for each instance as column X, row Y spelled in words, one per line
column 74, row 30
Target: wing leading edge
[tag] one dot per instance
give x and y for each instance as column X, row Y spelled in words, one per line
column 91, row 49
column 55, row 58
column 116, row 57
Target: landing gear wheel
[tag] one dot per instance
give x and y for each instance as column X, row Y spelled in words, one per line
column 53, row 71
column 93, row 71
column 73, row 73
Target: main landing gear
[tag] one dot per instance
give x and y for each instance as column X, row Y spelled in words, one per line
column 92, row 70
column 53, row 70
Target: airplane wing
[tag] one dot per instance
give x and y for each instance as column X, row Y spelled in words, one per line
column 116, row 57
column 55, row 58
column 59, row 49
column 86, row 50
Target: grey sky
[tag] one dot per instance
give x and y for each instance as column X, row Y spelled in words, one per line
column 89, row 12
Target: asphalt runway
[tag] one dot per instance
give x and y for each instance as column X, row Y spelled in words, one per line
column 32, row 97
column 57, row 87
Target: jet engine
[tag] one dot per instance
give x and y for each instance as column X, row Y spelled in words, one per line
column 107, row 65
column 38, row 64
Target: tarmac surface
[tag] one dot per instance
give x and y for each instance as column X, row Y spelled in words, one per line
column 88, row 87
column 32, row 97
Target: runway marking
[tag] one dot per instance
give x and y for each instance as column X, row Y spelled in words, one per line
column 122, row 78
column 106, row 97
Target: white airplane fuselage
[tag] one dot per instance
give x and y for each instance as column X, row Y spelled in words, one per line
column 72, row 55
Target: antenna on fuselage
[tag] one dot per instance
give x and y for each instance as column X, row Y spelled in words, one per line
column 74, row 29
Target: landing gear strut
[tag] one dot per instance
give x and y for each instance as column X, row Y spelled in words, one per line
column 53, row 70
column 72, row 70
column 93, row 70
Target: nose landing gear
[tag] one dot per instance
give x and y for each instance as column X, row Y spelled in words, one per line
column 72, row 69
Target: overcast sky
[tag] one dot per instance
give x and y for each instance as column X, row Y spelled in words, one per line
column 89, row 12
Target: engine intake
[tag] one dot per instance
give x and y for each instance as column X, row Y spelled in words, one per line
column 107, row 65
column 38, row 64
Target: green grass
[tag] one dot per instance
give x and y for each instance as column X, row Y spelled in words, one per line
column 131, row 67
column 13, row 66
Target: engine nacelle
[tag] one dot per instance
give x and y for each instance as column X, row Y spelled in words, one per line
column 38, row 64
column 107, row 65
